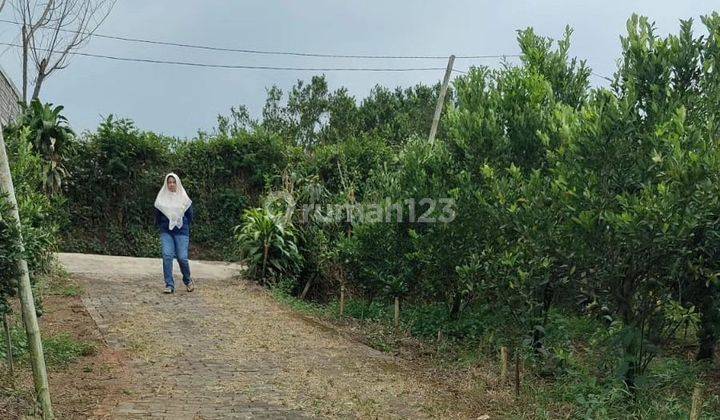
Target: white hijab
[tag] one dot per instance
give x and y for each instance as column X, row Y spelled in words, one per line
column 173, row 204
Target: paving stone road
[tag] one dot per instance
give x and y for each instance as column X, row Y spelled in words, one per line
column 228, row 350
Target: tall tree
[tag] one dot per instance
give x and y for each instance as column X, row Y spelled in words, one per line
column 52, row 30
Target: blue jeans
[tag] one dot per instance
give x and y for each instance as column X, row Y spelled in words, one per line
column 175, row 246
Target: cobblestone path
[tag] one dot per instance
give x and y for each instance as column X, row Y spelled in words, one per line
column 228, row 350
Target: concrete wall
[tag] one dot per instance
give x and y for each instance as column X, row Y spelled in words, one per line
column 9, row 97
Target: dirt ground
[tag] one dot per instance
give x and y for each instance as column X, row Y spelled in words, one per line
column 227, row 350
column 79, row 387
column 230, row 350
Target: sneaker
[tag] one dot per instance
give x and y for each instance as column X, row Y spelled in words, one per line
column 169, row 290
column 190, row 286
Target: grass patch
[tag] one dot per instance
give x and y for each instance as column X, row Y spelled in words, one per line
column 18, row 339
column 60, row 350
column 302, row 306
column 70, row 290
column 577, row 381
column 377, row 322
column 665, row 392
column 59, row 283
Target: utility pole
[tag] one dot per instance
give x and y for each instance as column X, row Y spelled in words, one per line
column 37, row 357
column 441, row 99
column 24, row 63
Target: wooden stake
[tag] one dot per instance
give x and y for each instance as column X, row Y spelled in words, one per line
column 441, row 99
column 697, row 403
column 397, row 311
column 8, row 342
column 29, row 316
column 342, row 299
column 503, row 363
column 266, row 251
column 306, row 289
column 517, row 373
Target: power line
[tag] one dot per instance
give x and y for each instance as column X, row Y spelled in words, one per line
column 286, row 53
column 245, row 67
column 601, row 76
column 592, row 73
column 10, row 46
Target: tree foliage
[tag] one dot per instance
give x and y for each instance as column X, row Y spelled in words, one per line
column 50, row 136
column 569, row 202
column 38, row 216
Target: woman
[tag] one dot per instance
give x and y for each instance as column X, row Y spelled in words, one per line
column 173, row 216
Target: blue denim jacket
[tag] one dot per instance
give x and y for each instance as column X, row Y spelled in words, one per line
column 162, row 222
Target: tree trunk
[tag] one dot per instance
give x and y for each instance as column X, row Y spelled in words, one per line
column 537, row 334
column 455, row 307
column 38, row 83
column 708, row 334
column 625, row 301
column 41, row 75
column 707, row 346
column 29, row 316
column 630, row 376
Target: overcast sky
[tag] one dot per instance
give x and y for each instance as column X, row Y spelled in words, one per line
column 178, row 100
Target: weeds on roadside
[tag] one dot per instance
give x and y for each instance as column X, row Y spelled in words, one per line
column 60, row 350
column 569, row 385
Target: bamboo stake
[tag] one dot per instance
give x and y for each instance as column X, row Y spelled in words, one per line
column 503, row 363
column 8, row 341
column 29, row 316
column 697, row 403
column 517, row 373
column 266, row 251
column 306, row 289
column 397, row 311
column 342, row 299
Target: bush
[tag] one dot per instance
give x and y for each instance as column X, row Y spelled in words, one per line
column 38, row 226
column 267, row 241
column 10, row 252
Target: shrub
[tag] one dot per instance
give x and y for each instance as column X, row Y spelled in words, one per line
column 10, row 252
column 267, row 241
